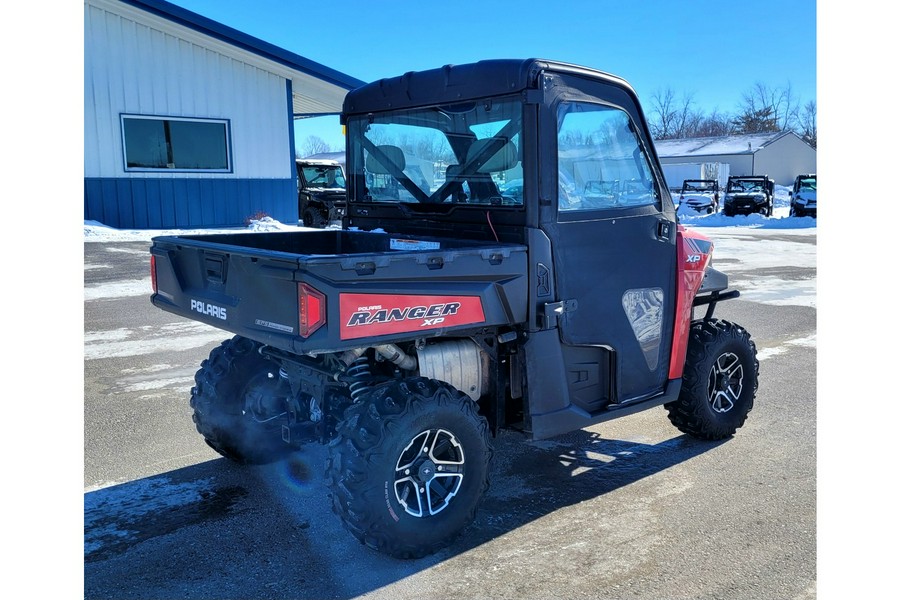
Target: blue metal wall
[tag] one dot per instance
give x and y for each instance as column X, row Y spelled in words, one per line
column 145, row 203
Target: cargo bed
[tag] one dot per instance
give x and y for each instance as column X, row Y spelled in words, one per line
column 354, row 287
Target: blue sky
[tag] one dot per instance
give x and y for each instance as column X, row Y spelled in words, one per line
column 713, row 49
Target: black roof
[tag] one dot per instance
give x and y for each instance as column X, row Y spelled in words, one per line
column 455, row 83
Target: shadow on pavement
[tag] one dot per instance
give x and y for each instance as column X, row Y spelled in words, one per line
column 219, row 530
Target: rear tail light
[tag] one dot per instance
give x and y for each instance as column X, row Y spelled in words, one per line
column 312, row 309
column 153, row 274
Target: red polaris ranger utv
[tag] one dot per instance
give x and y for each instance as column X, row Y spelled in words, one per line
column 509, row 259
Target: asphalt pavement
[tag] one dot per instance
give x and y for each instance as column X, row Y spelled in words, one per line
column 630, row 508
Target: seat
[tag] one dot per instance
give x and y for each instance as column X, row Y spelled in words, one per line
column 482, row 188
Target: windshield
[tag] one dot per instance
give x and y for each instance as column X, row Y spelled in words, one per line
column 746, row 185
column 462, row 153
column 807, row 185
column 323, row 176
column 707, row 187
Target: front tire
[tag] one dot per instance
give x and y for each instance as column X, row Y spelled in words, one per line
column 235, row 403
column 721, row 376
column 409, row 466
column 312, row 217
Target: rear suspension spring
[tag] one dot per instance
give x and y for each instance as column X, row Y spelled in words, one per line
column 359, row 370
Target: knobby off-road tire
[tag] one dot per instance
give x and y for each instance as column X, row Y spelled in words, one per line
column 409, row 466
column 233, row 374
column 721, row 375
column 312, row 217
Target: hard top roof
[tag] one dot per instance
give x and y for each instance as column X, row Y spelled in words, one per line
column 454, row 83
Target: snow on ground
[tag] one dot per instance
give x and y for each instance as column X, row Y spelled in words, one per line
column 756, row 269
column 97, row 232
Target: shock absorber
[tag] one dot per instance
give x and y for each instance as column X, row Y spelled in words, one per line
column 359, row 369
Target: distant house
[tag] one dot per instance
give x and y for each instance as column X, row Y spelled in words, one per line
column 782, row 155
column 188, row 122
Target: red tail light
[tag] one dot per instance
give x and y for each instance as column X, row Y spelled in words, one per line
column 312, row 309
column 153, row 274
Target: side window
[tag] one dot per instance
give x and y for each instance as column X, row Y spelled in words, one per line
column 600, row 162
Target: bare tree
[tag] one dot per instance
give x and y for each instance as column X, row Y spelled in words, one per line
column 808, row 129
column 672, row 117
column 714, row 125
column 762, row 109
column 314, row 145
column 766, row 109
column 661, row 114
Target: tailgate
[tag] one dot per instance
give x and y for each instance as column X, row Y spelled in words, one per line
column 347, row 300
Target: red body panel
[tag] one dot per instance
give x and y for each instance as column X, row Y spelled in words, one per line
column 693, row 254
column 364, row 315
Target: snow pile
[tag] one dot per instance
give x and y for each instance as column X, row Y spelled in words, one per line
column 98, row 232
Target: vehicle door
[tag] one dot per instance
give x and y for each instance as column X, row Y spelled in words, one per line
column 614, row 253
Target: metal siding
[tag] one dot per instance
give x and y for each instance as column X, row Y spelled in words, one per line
column 133, row 68
column 129, row 203
column 192, row 200
column 151, row 201
column 123, row 206
column 110, row 204
column 167, row 202
column 785, row 158
column 139, row 204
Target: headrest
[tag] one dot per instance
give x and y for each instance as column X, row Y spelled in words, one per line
column 502, row 160
column 392, row 154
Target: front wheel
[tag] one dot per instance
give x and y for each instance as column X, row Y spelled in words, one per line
column 314, row 218
column 721, row 375
column 408, row 466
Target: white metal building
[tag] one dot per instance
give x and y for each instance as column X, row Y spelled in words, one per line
column 782, row 155
column 188, row 122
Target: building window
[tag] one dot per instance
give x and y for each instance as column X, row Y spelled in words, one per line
column 153, row 143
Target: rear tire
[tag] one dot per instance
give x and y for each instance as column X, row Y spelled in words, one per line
column 230, row 383
column 721, row 376
column 409, row 466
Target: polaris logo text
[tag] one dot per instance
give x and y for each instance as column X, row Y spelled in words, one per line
column 429, row 315
column 204, row 308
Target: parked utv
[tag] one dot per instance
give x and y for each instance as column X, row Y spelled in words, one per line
column 803, row 196
column 441, row 314
column 702, row 195
column 749, row 194
column 321, row 191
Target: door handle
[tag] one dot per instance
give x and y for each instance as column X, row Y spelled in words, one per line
column 664, row 230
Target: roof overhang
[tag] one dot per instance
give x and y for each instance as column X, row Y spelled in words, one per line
column 317, row 89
